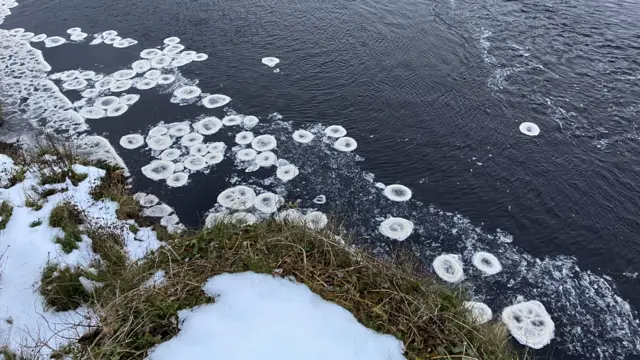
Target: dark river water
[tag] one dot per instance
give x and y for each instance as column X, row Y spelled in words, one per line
column 434, row 92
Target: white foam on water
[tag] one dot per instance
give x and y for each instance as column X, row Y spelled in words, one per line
column 171, row 40
column 178, row 179
column 246, row 154
column 131, row 141
column 117, row 110
column 215, row 100
column 264, row 143
column 529, row 323
column 487, row 263
column 124, row 74
column 180, row 129
column 270, row 61
column 191, row 139
column 121, row 85
column 266, row 159
column 345, row 144
column 200, row 57
column 529, row 128
column 170, row 154
column 214, row 158
column 166, row 79
column 92, row 112
column 315, row 220
column 480, row 313
column 160, row 61
column 396, row 228
column 161, row 142
column 54, row 41
column 150, row 53
column 237, row 198
column 106, row 102
column 79, row 36
column 335, row 131
column 232, row 120
column 195, row 163
column 244, row 138
column 449, row 268
column 302, row 136
column 158, row 170
column 208, row 126
column 141, row 66
column 397, row 192
column 146, row 84
column 129, row 99
column 187, row 92
column 287, row 172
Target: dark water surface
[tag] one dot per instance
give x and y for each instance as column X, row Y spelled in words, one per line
column 433, row 92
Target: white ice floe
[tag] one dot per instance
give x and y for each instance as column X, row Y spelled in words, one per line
column 173, row 49
column 191, row 139
column 75, row 84
column 245, row 312
column 152, row 74
column 397, row 192
column 270, row 61
column 124, row 74
column 166, row 79
column 264, row 143
column 117, row 110
column 90, row 93
column 200, row 57
column 487, row 263
column 246, row 154
column 54, row 41
column 244, row 138
column 178, row 179
column 180, row 130
column 198, row 149
column 208, row 126
column 195, row 163
column 335, row 131
column 529, row 323
column 320, row 199
column 315, row 220
column 78, row 36
column 171, row 40
column 214, row 158
column 106, row 102
column 187, row 92
column 39, row 38
column 287, row 172
column 104, row 83
column 109, row 33
column 160, row 61
column 146, row 84
column 160, row 210
column 146, row 200
column 129, row 99
column 249, row 122
column 158, row 131
column 73, row 30
column 91, row 112
column 529, row 128
column 266, row 159
column 293, row 216
column 150, row 53
column 449, row 268
column 232, row 120
column 112, row 40
column 131, row 141
column 215, row 100
column 123, row 43
column 141, row 66
column 121, row 85
column 237, row 198
column 302, row 136
column 216, row 147
column 480, row 312
column 170, row 154
column 267, row 203
column 396, row 228
column 179, row 62
column 158, row 169
column 159, row 142
column 345, row 144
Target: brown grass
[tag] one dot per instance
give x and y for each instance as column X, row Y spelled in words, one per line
column 388, row 298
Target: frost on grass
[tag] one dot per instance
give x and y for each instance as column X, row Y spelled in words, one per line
column 529, row 323
column 273, row 318
column 449, row 268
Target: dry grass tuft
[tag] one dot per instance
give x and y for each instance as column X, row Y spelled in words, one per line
column 391, row 299
column 61, row 288
column 66, row 216
column 113, row 186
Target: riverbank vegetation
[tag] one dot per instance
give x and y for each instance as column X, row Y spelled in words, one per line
column 136, row 302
